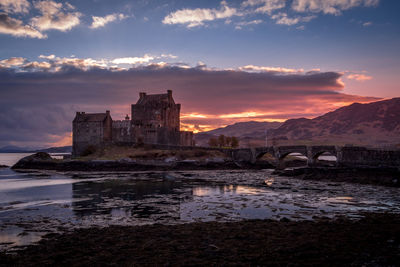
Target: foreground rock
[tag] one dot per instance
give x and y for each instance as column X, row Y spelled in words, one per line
column 371, row 241
column 365, row 175
column 43, row 161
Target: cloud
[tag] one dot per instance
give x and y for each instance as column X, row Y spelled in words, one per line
column 14, row 6
column 55, row 64
column 265, row 6
column 334, row 7
column 99, row 22
column 37, row 106
column 282, row 18
column 35, row 65
column 366, row 24
column 277, row 10
column 197, row 17
column 133, row 60
column 47, row 57
column 252, row 68
column 16, row 28
column 11, row 62
column 359, row 77
column 55, row 16
column 241, row 24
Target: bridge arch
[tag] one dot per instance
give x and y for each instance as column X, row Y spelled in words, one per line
column 283, row 151
column 325, row 159
column 317, row 151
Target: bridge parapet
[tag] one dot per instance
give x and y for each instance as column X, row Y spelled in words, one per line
column 361, row 156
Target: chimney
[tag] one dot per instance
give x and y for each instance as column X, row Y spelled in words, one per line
column 142, row 94
column 107, row 112
column 78, row 113
column 169, row 92
column 127, row 117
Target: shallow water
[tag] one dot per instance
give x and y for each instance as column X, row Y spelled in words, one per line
column 33, row 204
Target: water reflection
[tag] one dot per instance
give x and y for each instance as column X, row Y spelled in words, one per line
column 121, row 196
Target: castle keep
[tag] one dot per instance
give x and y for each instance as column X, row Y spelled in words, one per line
column 155, row 119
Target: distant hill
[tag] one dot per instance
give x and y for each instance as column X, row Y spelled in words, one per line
column 372, row 124
column 15, row 149
column 251, row 130
column 376, row 124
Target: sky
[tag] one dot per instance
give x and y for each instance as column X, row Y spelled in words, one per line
column 226, row 61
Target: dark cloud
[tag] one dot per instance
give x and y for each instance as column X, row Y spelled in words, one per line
column 36, row 106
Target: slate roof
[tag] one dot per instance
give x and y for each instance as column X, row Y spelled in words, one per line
column 90, row 117
column 156, row 98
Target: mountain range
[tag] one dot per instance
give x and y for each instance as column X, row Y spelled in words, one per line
column 372, row 124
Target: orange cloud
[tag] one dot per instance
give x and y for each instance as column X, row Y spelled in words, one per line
column 359, row 77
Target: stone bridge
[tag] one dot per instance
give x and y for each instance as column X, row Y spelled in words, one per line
column 346, row 156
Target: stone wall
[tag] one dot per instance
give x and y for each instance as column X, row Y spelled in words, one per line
column 361, row 156
column 121, row 131
column 186, row 138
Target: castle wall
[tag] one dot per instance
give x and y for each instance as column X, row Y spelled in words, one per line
column 88, row 132
column 85, row 134
column 121, row 131
column 186, row 138
column 156, row 111
column 107, row 128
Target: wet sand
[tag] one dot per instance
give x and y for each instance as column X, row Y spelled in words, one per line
column 371, row 241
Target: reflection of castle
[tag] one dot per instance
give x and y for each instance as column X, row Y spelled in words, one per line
column 155, row 120
column 137, row 198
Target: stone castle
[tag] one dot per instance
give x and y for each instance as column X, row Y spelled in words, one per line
column 155, row 119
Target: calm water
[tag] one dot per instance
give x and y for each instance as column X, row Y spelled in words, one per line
column 10, row 159
column 36, row 203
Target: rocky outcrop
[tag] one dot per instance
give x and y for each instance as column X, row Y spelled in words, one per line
column 37, row 159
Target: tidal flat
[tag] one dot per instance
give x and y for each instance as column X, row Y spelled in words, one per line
column 38, row 203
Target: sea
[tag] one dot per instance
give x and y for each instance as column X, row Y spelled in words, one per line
column 36, row 203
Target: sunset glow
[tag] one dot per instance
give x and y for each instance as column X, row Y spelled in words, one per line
column 258, row 60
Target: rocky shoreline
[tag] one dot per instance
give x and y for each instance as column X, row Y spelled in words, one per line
column 387, row 176
column 371, row 241
column 43, row 161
